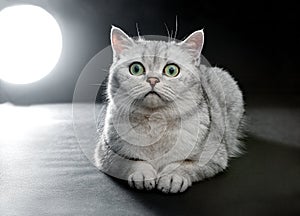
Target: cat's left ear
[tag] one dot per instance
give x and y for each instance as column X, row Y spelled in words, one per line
column 194, row 44
column 119, row 41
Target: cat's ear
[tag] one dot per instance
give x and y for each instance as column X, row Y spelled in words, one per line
column 119, row 41
column 194, row 43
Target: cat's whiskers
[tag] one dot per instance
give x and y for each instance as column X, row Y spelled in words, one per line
column 135, row 87
column 168, row 93
column 138, row 91
column 176, row 27
column 169, row 36
column 169, row 89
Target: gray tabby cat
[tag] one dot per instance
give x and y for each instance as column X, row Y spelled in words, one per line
column 170, row 120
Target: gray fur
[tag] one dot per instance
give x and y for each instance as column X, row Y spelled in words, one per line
column 184, row 136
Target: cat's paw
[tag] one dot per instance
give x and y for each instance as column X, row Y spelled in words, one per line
column 142, row 180
column 172, row 183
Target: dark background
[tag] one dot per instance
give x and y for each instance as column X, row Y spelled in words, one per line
column 257, row 42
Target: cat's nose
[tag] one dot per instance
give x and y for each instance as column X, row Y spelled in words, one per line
column 153, row 81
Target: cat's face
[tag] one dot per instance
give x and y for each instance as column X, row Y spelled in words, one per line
column 153, row 73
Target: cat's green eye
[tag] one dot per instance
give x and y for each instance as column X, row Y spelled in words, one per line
column 136, row 69
column 171, row 70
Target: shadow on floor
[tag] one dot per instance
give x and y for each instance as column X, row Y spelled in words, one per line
column 264, row 181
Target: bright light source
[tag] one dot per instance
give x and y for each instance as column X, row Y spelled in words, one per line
column 30, row 44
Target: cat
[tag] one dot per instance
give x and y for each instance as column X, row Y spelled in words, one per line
column 170, row 120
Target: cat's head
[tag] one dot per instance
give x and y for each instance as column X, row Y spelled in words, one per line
column 153, row 73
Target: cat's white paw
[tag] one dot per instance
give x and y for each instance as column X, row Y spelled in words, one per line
column 172, row 183
column 142, row 180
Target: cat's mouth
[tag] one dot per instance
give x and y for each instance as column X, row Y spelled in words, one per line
column 152, row 93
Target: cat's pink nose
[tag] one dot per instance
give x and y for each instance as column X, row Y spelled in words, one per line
column 153, row 81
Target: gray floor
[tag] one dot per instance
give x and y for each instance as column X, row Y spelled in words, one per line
column 43, row 170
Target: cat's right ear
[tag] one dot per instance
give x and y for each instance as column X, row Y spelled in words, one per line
column 119, row 41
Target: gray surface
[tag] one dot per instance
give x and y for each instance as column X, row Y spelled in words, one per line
column 44, row 172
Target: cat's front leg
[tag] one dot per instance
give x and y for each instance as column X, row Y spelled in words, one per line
column 139, row 174
column 173, row 179
column 178, row 176
column 142, row 176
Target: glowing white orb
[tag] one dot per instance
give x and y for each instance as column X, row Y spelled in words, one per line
column 30, row 44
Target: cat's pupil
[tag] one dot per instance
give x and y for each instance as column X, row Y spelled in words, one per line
column 136, row 69
column 171, row 70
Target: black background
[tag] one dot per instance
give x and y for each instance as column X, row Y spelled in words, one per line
column 257, row 42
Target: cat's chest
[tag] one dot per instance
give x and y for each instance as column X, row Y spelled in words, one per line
column 155, row 136
column 156, row 132
column 153, row 124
